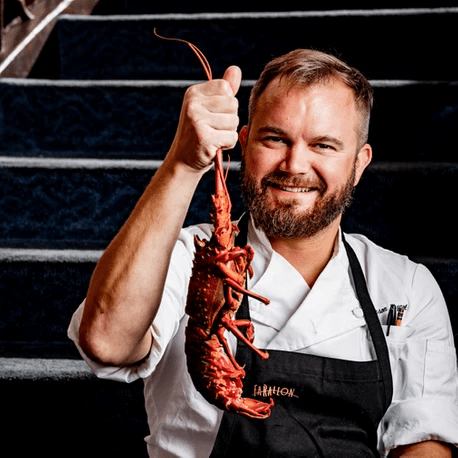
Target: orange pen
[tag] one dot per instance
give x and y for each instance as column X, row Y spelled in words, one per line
column 399, row 316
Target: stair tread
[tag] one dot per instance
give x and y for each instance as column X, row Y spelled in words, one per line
column 106, row 7
column 87, row 205
column 138, row 120
column 42, row 369
column 124, row 46
column 290, row 13
column 49, row 255
column 76, row 255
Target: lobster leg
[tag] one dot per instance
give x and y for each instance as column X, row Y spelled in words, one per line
column 251, row 407
column 225, row 344
column 231, row 280
column 233, row 326
column 249, row 330
column 234, row 285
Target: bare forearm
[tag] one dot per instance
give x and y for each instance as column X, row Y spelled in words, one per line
column 127, row 284
column 427, row 449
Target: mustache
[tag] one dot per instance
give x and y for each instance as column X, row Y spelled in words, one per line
column 277, row 178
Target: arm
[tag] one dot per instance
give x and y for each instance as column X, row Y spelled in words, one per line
column 428, row 449
column 424, row 407
column 127, row 284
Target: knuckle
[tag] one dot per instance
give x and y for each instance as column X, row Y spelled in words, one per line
column 232, row 140
column 202, row 130
column 193, row 108
column 192, row 104
column 233, row 104
column 223, row 87
column 191, row 92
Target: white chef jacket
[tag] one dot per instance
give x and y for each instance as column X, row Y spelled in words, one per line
column 326, row 320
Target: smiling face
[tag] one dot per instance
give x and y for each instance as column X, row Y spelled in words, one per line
column 301, row 158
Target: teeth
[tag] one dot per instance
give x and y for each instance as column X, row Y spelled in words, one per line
column 290, row 189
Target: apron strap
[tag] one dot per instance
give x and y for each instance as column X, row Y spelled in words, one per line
column 243, row 313
column 370, row 315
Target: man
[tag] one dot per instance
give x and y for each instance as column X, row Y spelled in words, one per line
column 354, row 385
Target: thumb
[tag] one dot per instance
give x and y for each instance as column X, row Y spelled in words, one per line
column 233, row 75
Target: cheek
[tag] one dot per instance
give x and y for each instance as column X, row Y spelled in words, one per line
column 348, row 173
column 258, row 164
column 336, row 175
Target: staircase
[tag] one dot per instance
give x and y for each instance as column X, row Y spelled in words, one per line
column 81, row 137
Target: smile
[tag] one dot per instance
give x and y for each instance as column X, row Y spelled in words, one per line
column 295, row 189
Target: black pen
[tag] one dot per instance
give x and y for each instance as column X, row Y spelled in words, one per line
column 391, row 318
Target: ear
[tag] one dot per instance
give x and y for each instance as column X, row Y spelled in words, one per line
column 243, row 137
column 363, row 159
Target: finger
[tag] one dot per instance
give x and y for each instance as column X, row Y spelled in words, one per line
column 221, row 104
column 223, row 139
column 233, row 75
column 222, row 121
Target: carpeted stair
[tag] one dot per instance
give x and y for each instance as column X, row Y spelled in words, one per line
column 81, row 138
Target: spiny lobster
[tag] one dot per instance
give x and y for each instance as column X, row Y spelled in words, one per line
column 215, row 292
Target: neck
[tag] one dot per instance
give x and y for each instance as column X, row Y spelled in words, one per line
column 309, row 256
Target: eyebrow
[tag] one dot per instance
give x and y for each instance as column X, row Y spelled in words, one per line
column 272, row 129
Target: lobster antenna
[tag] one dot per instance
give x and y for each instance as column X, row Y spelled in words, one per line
column 205, row 64
column 200, row 55
column 228, row 164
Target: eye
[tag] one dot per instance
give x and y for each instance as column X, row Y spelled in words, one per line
column 327, row 143
column 273, row 138
column 325, row 147
column 273, row 141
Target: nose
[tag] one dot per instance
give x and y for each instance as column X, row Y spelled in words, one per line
column 296, row 160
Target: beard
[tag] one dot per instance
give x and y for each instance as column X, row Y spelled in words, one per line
column 284, row 219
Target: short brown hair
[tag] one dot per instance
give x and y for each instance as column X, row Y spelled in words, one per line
column 306, row 67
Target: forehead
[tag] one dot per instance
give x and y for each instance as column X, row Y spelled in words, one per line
column 327, row 105
column 283, row 92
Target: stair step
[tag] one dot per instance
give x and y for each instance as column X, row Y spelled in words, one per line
column 83, row 203
column 80, row 203
column 124, row 47
column 36, row 369
column 61, row 406
column 38, row 296
column 89, row 118
column 40, row 290
column 137, row 119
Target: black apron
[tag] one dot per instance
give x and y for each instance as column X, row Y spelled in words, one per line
column 324, row 407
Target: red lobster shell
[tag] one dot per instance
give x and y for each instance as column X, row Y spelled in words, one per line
column 215, row 293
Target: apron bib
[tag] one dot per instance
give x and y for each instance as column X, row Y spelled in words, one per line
column 324, row 407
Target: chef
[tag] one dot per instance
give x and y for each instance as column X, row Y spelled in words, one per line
column 347, row 379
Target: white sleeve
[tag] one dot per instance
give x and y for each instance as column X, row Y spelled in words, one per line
column 165, row 324
column 425, row 398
